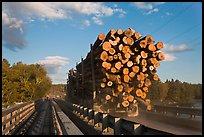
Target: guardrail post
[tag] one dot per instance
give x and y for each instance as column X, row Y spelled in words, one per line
column 138, row 128
column 105, row 123
column 90, row 116
column 117, row 126
column 96, row 119
column 81, row 112
column 85, row 113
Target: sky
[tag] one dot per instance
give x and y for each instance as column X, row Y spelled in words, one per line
column 59, row 34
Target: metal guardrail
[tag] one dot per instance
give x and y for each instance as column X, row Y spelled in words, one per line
column 13, row 116
column 178, row 110
column 107, row 123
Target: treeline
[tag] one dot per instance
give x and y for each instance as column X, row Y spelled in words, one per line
column 57, row 90
column 23, row 83
column 175, row 92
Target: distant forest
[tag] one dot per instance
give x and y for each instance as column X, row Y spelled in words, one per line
column 23, row 83
column 174, row 92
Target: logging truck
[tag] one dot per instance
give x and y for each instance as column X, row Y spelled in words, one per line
column 116, row 74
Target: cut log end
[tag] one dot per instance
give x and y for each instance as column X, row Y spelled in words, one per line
column 106, row 46
column 101, row 36
column 159, row 45
column 108, row 97
column 125, row 103
column 139, row 92
column 104, row 56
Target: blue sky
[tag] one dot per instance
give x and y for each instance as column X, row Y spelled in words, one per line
column 59, row 34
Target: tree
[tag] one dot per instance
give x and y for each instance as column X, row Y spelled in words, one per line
column 22, row 82
column 163, row 89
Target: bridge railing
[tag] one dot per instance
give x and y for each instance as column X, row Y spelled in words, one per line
column 107, row 123
column 13, row 116
column 177, row 110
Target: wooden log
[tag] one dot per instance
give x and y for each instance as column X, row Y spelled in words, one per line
column 110, row 58
column 143, row 43
column 135, row 69
column 104, row 56
column 110, row 83
column 106, row 65
column 160, row 56
column 130, row 41
column 145, row 89
column 156, row 64
column 99, row 40
column 144, row 69
column 137, row 59
column 113, row 43
column 115, row 56
column 113, row 70
column 120, row 88
column 124, row 40
column 151, row 68
column 143, row 95
column 151, row 47
column 136, row 36
column 125, row 71
column 139, row 92
column 126, row 78
column 129, row 63
column 127, row 55
column 130, row 98
column 144, row 62
column 155, row 77
column 112, row 51
column 119, row 31
column 129, row 32
column 125, row 103
column 149, row 107
column 125, row 49
column 106, row 46
column 118, row 65
column 125, row 60
column 103, row 85
column 159, row 45
column 132, row 74
column 108, row 97
column 120, row 47
column 149, row 39
column 147, row 100
column 104, row 80
column 110, row 35
column 143, row 54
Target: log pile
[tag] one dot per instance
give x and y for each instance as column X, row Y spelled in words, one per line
column 124, row 65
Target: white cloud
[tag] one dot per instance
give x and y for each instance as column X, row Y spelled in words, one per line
column 12, row 32
column 86, row 23
column 158, row 3
column 169, row 57
column 151, row 11
column 53, row 63
column 168, row 13
column 176, row 48
column 149, row 7
column 143, row 5
column 97, row 20
column 16, row 14
column 54, row 66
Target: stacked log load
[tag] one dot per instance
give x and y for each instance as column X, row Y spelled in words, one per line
column 121, row 66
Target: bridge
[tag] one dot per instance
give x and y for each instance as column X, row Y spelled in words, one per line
column 59, row 117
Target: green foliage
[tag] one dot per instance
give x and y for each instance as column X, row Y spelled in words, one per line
column 175, row 91
column 22, row 82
